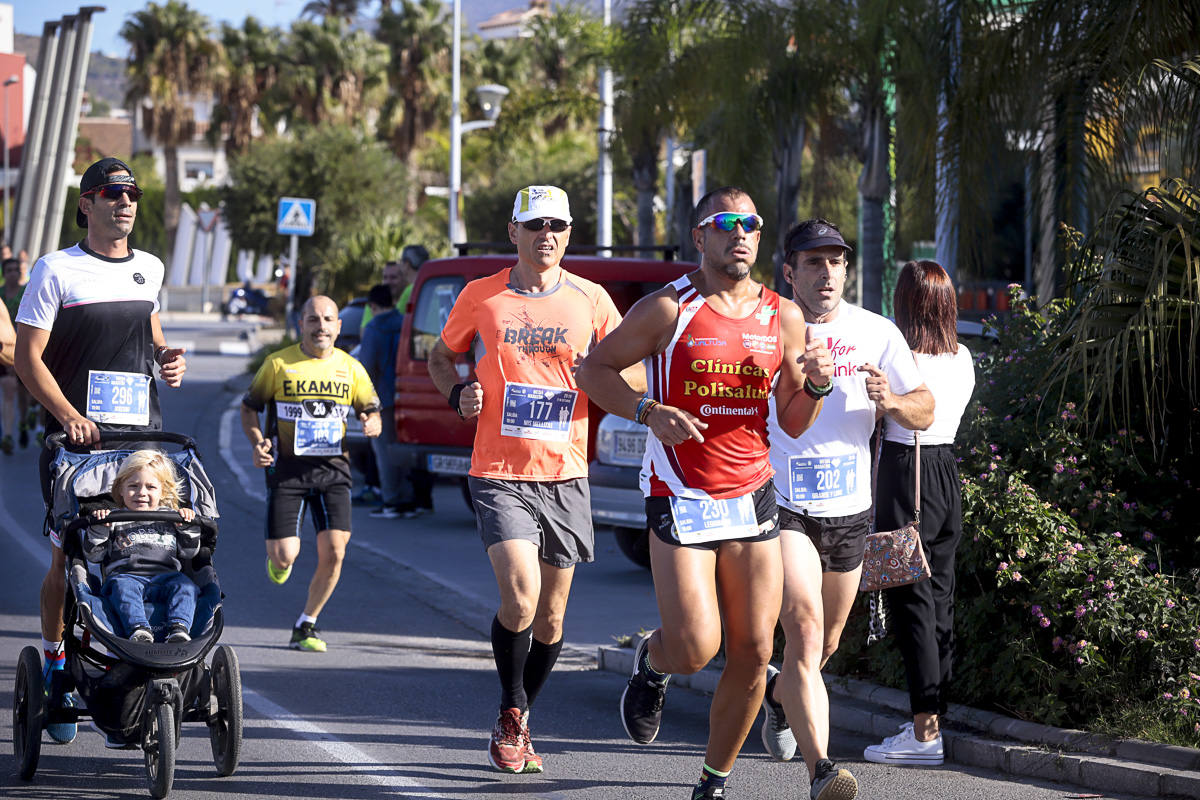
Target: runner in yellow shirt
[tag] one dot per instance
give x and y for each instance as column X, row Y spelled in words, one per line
column 308, row 390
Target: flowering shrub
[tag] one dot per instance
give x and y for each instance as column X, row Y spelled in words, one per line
column 1076, row 576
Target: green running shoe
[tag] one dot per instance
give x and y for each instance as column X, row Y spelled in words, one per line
column 278, row 576
column 304, row 637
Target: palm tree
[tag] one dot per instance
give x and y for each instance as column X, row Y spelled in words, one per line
column 172, row 63
column 1087, row 89
column 329, row 73
column 417, row 34
column 652, row 36
column 344, row 10
column 251, row 70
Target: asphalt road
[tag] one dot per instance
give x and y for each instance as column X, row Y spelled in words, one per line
column 402, row 703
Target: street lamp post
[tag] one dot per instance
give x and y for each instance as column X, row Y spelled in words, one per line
column 490, row 97
column 12, row 79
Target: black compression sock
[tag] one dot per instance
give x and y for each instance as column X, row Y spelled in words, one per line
column 511, row 651
column 542, row 658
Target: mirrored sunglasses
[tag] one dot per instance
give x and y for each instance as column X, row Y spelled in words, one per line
column 555, row 225
column 728, row 220
column 113, row 191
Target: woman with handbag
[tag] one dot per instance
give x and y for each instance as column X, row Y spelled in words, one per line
column 922, row 614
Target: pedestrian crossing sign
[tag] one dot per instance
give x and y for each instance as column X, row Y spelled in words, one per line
column 297, row 216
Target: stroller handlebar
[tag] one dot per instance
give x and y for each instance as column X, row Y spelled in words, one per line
column 59, row 440
column 208, row 526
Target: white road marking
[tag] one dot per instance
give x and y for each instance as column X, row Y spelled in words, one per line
column 360, row 763
column 225, row 446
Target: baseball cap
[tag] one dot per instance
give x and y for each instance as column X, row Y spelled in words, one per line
column 541, row 202
column 97, row 175
column 810, row 237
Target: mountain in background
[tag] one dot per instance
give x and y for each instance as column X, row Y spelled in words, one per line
column 105, row 77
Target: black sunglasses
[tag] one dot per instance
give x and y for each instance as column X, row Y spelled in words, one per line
column 113, row 191
column 555, row 225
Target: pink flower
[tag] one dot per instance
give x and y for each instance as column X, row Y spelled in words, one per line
column 1016, row 576
column 1045, row 623
column 1080, row 611
column 1142, row 635
column 1036, row 611
column 1116, row 534
column 1021, row 552
column 1167, row 696
column 1148, row 536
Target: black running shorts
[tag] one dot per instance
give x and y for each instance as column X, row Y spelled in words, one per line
column 840, row 541
column 324, row 492
column 766, row 511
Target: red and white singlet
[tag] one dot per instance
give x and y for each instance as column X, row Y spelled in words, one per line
column 722, row 371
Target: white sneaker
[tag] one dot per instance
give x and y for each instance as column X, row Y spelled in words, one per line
column 904, row 748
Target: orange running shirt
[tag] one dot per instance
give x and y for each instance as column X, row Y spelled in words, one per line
column 534, row 424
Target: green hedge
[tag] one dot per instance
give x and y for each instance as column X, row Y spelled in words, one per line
column 1076, row 576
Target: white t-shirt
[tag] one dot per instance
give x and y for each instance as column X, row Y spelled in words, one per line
column 951, row 378
column 826, row 471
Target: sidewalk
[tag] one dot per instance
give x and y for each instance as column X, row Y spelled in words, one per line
column 992, row 741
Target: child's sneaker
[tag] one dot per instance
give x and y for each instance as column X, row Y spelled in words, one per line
column 304, row 637
column 113, row 742
column 141, row 634
column 178, row 633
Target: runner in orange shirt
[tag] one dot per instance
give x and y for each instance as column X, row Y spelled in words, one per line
column 529, row 470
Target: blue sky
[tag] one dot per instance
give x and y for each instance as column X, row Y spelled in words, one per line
column 30, row 17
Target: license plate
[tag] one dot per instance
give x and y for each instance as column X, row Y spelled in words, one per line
column 449, row 465
column 630, row 445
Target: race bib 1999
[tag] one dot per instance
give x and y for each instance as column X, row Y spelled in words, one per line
column 118, row 398
column 537, row 412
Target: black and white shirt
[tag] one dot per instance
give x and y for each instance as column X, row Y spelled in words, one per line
column 98, row 312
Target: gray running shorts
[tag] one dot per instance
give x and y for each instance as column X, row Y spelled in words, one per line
column 554, row 515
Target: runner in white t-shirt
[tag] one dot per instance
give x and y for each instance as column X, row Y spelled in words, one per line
column 823, row 483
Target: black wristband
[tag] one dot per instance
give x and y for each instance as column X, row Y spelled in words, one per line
column 372, row 409
column 158, row 351
column 455, row 394
column 817, row 392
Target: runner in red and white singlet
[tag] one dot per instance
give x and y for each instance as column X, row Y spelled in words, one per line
column 720, row 370
column 716, row 345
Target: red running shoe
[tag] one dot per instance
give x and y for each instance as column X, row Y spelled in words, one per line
column 533, row 762
column 506, row 751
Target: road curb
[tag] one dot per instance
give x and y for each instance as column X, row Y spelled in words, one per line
column 985, row 739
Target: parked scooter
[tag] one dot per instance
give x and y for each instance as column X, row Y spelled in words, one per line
column 246, row 300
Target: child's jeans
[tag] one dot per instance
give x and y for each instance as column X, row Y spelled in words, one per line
column 128, row 595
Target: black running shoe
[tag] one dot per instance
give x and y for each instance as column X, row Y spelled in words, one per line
column 642, row 700
column 832, row 782
column 701, row 792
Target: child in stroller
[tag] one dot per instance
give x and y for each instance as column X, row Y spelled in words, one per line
column 136, row 693
column 141, row 561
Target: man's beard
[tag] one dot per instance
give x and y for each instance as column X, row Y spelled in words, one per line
column 736, row 270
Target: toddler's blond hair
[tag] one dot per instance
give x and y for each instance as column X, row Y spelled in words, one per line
column 159, row 465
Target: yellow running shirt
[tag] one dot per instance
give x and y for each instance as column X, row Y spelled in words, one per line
column 534, row 424
column 310, row 399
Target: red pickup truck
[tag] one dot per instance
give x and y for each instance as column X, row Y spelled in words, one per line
column 433, row 435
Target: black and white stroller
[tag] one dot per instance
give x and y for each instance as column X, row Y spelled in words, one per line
column 136, row 693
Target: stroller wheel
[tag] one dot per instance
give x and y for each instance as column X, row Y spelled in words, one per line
column 29, row 712
column 225, row 726
column 158, row 742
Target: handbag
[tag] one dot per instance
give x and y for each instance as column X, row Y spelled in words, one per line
column 894, row 558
